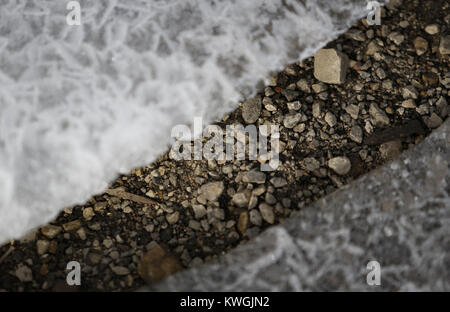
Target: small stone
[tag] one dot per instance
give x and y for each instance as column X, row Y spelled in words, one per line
column 294, row 105
column 303, row 85
column 396, row 37
column 24, row 273
column 254, row 176
column 120, row 270
column 340, row 165
column 290, row 95
column 72, row 226
column 410, row 103
column 199, row 211
column 380, row 73
column 391, row 150
column 432, row 29
column 42, row 246
column 410, row 92
column 421, row 45
column 356, row 134
column 434, row 121
column 300, row 128
column 81, row 233
column 319, row 87
column 330, row 119
column 267, row 213
column 379, row 116
column 252, row 202
column 173, row 217
column 156, row 265
column 372, row 48
column 240, row 199
column 278, row 182
column 291, row 120
column 50, row 231
column 352, row 110
column 107, row 242
column 270, row 199
column 330, row 66
column 255, row 217
column 442, row 106
column 195, row 225
column 88, row 213
column 316, row 108
column 356, row 34
column 242, row 222
column 251, row 109
column 444, row 47
column 212, row 190
column 310, row 164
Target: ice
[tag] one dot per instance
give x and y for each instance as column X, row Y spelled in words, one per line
column 81, row 104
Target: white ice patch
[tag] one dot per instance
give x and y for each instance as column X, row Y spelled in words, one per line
column 81, row 104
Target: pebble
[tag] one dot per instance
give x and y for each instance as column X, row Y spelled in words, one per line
column 267, row 213
column 432, row 29
column 294, row 105
column 421, row 45
column 255, row 217
column 241, row 199
column 444, row 46
column 199, row 211
column 88, row 213
column 24, row 273
column 311, row 164
column 379, row 116
column 120, row 270
column 251, row 109
column 257, row 177
column 50, row 231
column 173, row 217
column 278, row 182
column 410, row 103
column 72, row 226
column 396, row 37
column 330, row 66
column 353, row 111
column 291, row 120
column 107, row 242
column 243, row 222
column 356, row 134
column 410, row 92
column 212, row 191
column 340, row 165
column 330, row 119
column 434, row 121
column 42, row 246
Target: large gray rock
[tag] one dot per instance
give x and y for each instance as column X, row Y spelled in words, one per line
column 398, row 215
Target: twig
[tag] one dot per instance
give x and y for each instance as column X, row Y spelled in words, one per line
column 11, row 248
column 133, row 197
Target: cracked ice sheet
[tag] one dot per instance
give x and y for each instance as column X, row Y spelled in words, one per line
column 81, row 104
